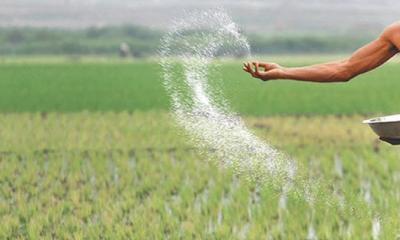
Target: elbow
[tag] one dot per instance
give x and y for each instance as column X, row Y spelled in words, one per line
column 391, row 32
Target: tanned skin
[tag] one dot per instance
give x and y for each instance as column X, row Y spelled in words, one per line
column 363, row 60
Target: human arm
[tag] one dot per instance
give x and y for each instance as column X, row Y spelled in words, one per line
column 363, row 60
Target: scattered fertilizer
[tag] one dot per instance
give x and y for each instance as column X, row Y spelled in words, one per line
column 188, row 52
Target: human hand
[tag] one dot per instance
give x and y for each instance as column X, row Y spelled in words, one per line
column 263, row 71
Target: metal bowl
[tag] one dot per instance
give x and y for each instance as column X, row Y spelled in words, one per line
column 387, row 128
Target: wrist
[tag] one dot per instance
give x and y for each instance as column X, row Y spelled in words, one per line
column 281, row 73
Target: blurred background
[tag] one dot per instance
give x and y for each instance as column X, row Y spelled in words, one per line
column 103, row 27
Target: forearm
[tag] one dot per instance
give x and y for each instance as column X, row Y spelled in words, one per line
column 364, row 59
column 327, row 72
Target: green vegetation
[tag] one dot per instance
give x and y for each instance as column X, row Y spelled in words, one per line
column 118, row 176
column 130, row 86
column 297, row 43
column 144, row 42
column 75, row 87
column 89, row 150
column 91, row 41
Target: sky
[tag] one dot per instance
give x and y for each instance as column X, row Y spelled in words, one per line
column 251, row 15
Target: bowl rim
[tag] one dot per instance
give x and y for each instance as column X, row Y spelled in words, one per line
column 377, row 120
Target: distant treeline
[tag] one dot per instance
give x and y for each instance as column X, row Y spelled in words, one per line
column 143, row 42
column 90, row 41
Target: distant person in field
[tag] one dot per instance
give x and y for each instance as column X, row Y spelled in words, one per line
column 363, row 60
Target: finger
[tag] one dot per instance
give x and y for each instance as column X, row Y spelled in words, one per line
column 256, row 64
column 249, row 67
column 263, row 66
column 250, row 70
column 269, row 66
column 245, row 67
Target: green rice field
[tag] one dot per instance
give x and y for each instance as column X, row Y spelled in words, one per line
column 89, row 150
column 70, row 86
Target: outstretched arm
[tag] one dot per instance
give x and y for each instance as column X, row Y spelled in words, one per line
column 363, row 60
